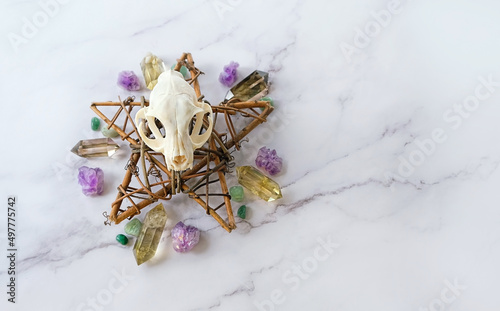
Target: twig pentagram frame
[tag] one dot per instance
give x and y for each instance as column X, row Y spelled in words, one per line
column 148, row 167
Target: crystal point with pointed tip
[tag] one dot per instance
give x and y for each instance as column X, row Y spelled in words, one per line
column 147, row 242
column 92, row 148
column 259, row 184
column 253, row 87
column 152, row 66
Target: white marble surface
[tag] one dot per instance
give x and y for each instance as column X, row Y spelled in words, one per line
column 345, row 124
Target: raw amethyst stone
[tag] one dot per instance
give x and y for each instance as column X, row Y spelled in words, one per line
column 229, row 74
column 91, row 180
column 184, row 238
column 129, row 81
column 268, row 160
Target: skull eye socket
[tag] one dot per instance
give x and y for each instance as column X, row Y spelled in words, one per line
column 160, row 127
column 193, row 122
column 150, row 133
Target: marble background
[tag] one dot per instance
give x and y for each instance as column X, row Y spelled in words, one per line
column 387, row 119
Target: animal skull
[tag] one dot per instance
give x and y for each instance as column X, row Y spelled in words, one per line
column 174, row 103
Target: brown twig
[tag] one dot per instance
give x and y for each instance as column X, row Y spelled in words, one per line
column 216, row 151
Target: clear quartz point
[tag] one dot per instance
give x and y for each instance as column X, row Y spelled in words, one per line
column 92, row 148
column 253, row 87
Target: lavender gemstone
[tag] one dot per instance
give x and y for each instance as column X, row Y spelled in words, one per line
column 91, row 180
column 269, row 161
column 129, row 81
column 184, row 238
column 229, row 74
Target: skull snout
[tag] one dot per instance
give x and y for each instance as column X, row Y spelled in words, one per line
column 181, row 149
column 179, row 160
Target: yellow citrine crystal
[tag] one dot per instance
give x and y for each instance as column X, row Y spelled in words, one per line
column 149, row 237
column 259, row 184
column 152, row 66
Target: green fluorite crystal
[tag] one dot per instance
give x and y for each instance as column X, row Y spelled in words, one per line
column 242, row 212
column 267, row 99
column 95, row 123
column 133, row 227
column 183, row 70
column 237, row 194
column 122, row 239
column 259, row 184
column 111, row 133
column 149, row 237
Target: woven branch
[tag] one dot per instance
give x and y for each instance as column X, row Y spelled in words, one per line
column 211, row 159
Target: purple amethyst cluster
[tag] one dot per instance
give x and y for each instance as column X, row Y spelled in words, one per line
column 268, row 160
column 129, row 81
column 91, row 180
column 229, row 74
column 184, row 238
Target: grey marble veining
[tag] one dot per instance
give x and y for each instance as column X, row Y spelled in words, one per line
column 386, row 117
